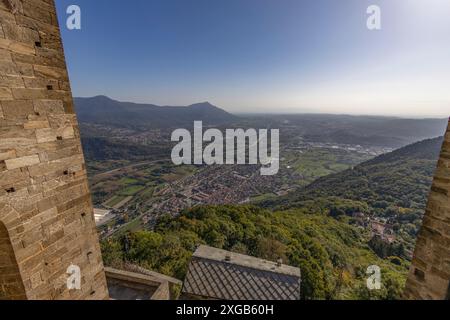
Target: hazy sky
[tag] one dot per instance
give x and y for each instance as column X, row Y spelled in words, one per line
column 265, row 55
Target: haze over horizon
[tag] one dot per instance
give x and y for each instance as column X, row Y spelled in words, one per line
column 261, row 56
column 238, row 113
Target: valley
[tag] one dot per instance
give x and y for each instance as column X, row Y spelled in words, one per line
column 359, row 182
column 144, row 191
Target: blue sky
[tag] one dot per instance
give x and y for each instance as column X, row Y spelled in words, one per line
column 264, row 55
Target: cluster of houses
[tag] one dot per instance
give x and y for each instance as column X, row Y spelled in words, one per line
column 377, row 227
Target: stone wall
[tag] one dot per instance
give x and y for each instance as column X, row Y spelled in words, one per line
column 11, row 285
column 429, row 276
column 45, row 202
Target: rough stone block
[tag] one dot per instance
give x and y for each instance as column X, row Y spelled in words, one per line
column 44, row 107
column 5, row 93
column 20, row 34
column 41, row 83
column 16, row 163
column 37, row 124
column 5, row 55
column 25, row 70
column 29, row 94
column 51, row 72
column 7, row 154
column 11, row 82
column 13, row 109
column 17, row 47
column 17, row 139
column 8, row 68
column 45, row 135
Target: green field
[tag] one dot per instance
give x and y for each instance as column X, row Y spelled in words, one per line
column 139, row 180
column 114, row 201
column 131, row 190
column 263, row 197
column 315, row 163
column 127, row 180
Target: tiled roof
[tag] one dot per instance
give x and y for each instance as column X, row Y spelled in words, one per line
column 239, row 277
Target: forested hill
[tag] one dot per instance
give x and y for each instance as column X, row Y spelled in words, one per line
column 400, row 178
column 393, row 188
column 331, row 254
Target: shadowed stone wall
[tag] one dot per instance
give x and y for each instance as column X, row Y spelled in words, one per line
column 11, row 285
column 429, row 276
column 46, row 216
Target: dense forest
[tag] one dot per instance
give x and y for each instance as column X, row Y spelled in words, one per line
column 393, row 187
column 331, row 254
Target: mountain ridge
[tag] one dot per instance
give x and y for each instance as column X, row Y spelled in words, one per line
column 104, row 110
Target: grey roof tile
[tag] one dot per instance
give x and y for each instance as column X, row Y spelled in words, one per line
column 241, row 278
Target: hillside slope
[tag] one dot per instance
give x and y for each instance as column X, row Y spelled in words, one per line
column 402, row 177
column 393, row 187
column 331, row 255
column 102, row 149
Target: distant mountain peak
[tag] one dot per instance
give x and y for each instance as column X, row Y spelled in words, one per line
column 104, row 110
column 99, row 97
column 205, row 104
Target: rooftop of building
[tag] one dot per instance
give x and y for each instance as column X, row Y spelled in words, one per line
column 219, row 274
column 211, row 253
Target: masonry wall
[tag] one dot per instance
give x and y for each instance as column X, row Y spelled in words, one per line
column 11, row 285
column 45, row 203
column 429, row 276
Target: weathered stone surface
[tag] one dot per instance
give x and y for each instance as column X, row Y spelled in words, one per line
column 44, row 60
column 16, row 163
column 13, row 109
column 51, row 72
column 41, row 83
column 5, row 93
column 5, row 55
column 36, row 124
column 429, row 277
column 7, row 154
column 17, row 138
column 15, row 6
column 44, row 107
column 16, row 47
column 20, row 34
column 11, row 81
column 45, row 135
column 29, row 94
column 46, row 220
